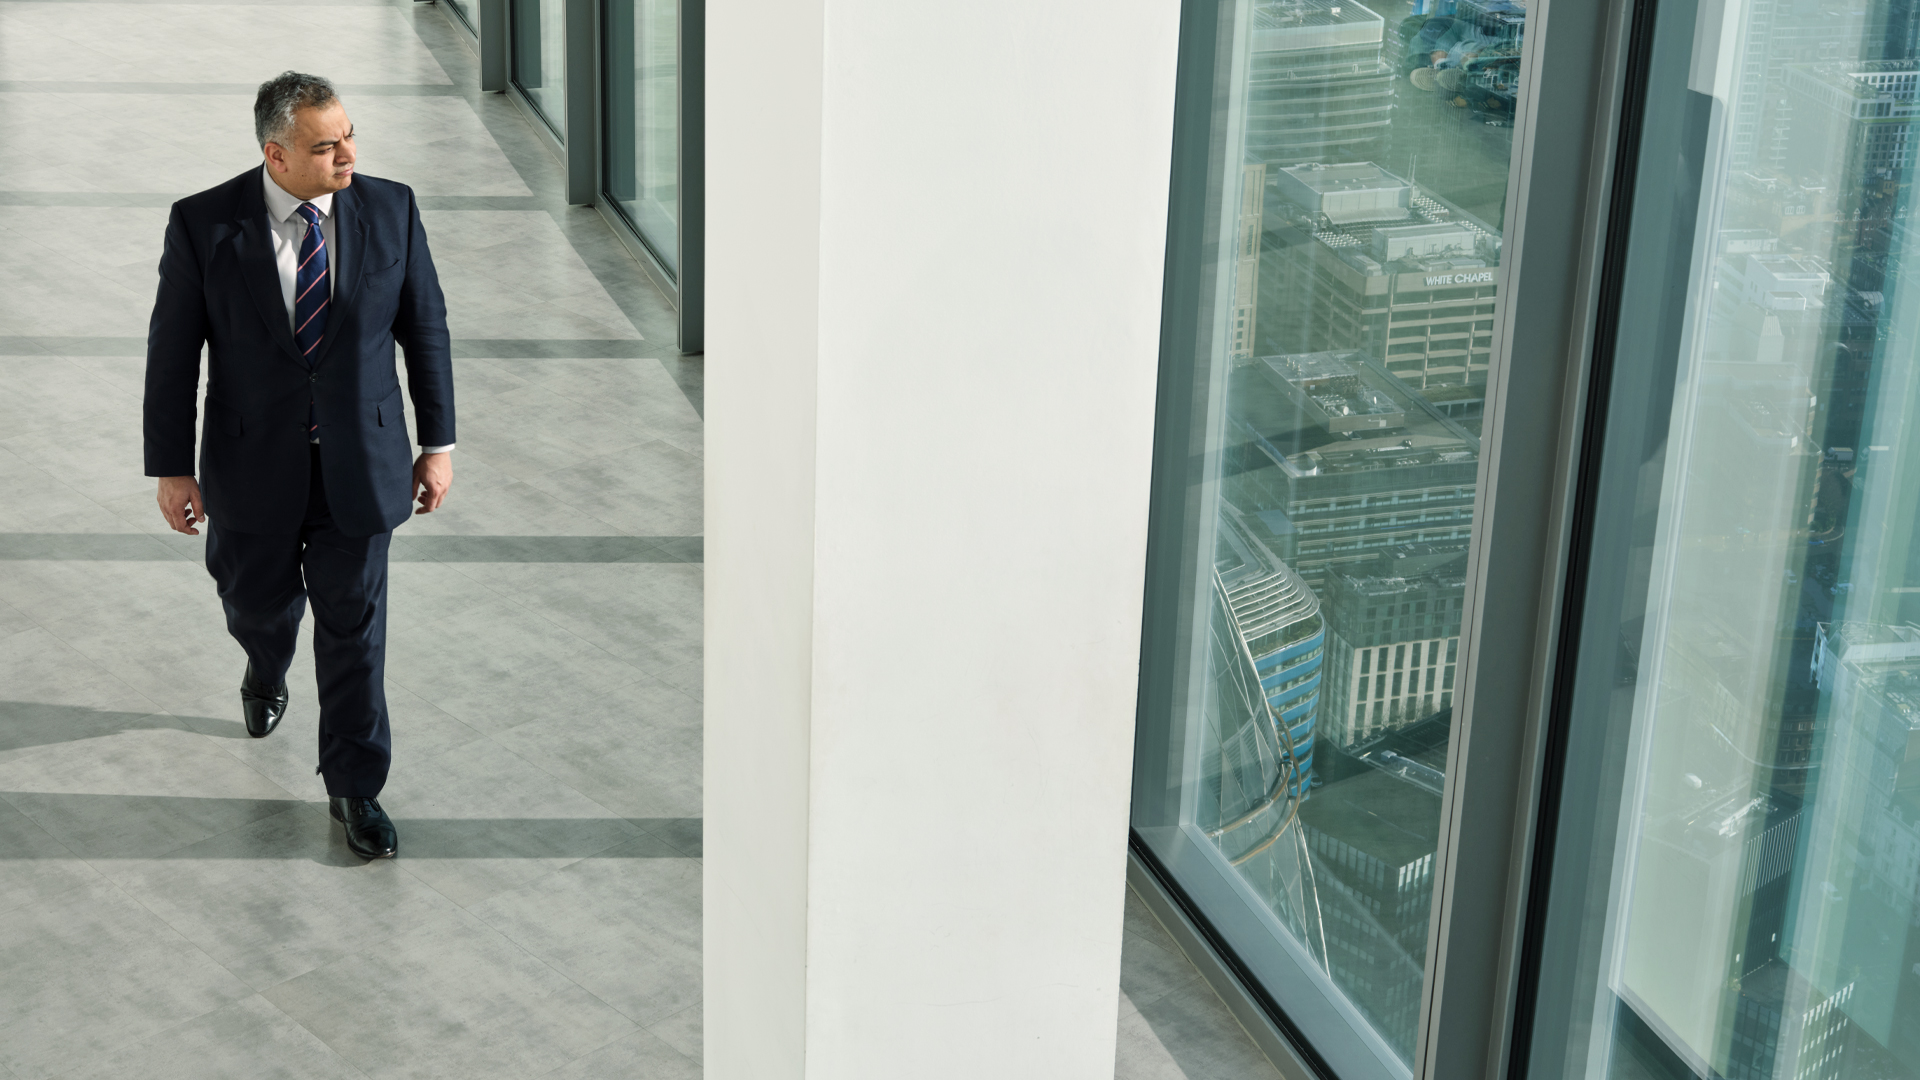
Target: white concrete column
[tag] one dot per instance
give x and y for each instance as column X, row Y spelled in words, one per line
column 935, row 244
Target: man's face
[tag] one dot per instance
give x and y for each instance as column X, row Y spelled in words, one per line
column 320, row 159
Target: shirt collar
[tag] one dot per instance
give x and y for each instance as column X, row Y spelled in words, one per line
column 282, row 206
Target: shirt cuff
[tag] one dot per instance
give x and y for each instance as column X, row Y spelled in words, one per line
column 436, row 449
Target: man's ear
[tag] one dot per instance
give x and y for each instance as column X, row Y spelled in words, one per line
column 276, row 156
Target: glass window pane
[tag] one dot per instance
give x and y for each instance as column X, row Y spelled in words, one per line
column 1738, row 855
column 540, row 58
column 642, row 111
column 1292, row 767
column 464, row 10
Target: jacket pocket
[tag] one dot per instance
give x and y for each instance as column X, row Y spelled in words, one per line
column 391, row 410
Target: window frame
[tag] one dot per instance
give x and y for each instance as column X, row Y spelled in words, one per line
column 683, row 286
column 1560, row 182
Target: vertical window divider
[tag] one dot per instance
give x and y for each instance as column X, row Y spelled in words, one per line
column 1562, row 177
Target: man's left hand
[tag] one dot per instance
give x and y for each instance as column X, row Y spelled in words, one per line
column 432, row 476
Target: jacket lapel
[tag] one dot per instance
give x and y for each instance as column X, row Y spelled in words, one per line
column 255, row 248
column 350, row 235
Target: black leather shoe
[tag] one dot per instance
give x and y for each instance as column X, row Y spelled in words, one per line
column 262, row 707
column 370, row 833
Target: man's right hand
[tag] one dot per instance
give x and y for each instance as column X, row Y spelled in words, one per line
column 181, row 505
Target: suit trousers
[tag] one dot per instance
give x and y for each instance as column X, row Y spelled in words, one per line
column 265, row 583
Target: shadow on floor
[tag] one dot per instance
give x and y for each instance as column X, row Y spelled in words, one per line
column 32, row 723
column 151, row 547
column 87, row 826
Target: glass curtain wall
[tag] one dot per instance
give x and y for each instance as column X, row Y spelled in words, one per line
column 1308, row 572
column 1735, row 886
column 540, row 58
column 641, row 161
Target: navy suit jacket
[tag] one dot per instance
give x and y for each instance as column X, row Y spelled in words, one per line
column 219, row 285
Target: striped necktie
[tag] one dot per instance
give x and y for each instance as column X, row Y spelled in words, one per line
column 310, row 295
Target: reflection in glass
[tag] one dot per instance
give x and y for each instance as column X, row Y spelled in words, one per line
column 540, row 58
column 463, row 9
column 642, row 147
column 1360, row 164
column 1752, row 684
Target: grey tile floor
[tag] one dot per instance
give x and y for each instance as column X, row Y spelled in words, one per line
column 174, row 901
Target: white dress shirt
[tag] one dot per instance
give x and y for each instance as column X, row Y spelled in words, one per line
column 289, row 229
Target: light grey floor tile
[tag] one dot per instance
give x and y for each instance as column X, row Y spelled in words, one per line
column 246, row 1040
column 421, row 732
column 34, row 867
column 189, row 44
column 487, row 501
column 647, row 614
column 131, row 800
column 53, row 590
column 168, row 640
column 99, row 460
column 626, row 927
column 37, row 669
column 682, row 1031
column 483, row 820
column 642, row 392
column 453, row 999
column 637, row 753
column 639, row 1056
column 653, row 489
column 1152, row 966
column 279, row 897
column 531, row 431
column 146, row 788
column 688, row 678
column 13, row 621
column 1172, row 1025
column 501, row 665
column 51, row 393
column 92, row 971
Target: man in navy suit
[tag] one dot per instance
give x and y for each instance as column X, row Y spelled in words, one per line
column 299, row 277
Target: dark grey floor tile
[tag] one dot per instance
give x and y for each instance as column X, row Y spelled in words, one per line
column 93, row 971
column 484, row 820
column 246, row 1040
column 279, row 897
column 452, row 1000
column 35, row 867
column 684, row 834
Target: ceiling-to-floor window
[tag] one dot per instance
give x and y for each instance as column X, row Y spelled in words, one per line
column 1327, row 383
column 1736, row 871
column 641, row 162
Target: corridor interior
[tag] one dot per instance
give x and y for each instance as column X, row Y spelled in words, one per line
column 174, row 901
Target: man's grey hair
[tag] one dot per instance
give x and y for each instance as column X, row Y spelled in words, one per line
column 280, row 97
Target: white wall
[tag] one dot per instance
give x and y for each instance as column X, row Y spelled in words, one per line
column 935, row 241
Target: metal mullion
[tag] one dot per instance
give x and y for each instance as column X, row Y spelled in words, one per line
column 1560, row 181
column 581, row 152
column 691, row 162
